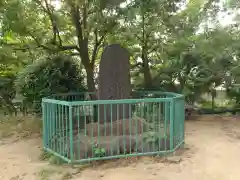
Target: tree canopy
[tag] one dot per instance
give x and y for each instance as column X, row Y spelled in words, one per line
column 176, row 45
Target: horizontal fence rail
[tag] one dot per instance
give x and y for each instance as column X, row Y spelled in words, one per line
column 78, row 129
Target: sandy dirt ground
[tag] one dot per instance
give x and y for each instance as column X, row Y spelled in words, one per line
column 211, row 153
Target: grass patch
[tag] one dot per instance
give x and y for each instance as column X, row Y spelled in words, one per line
column 54, row 160
column 19, row 126
column 49, row 173
column 45, row 174
column 67, row 176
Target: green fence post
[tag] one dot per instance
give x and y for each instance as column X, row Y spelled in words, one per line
column 182, row 121
column 70, row 133
column 172, row 110
column 166, row 112
column 166, row 122
column 44, row 124
column 54, row 125
column 177, row 121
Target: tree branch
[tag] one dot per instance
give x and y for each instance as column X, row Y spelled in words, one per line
column 84, row 19
column 68, row 47
column 138, row 37
column 74, row 54
column 97, row 44
column 55, row 30
column 16, row 46
column 60, row 48
column 149, row 51
column 53, row 20
column 77, row 23
column 136, row 65
column 39, row 44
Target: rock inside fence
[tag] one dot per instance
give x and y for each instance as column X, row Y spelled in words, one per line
column 114, row 83
column 121, row 127
column 83, row 146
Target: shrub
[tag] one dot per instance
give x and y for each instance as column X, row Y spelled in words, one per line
column 7, row 92
column 234, row 94
column 58, row 74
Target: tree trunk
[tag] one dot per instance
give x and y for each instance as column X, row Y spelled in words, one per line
column 146, row 73
column 90, row 74
column 89, row 67
column 90, row 81
column 146, row 69
column 92, row 89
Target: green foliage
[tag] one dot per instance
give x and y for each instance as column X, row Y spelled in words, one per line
column 175, row 45
column 152, row 140
column 59, row 74
column 98, row 152
column 149, row 112
column 151, row 137
column 7, row 92
column 234, row 94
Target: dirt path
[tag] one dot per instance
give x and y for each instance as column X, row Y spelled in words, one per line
column 213, row 154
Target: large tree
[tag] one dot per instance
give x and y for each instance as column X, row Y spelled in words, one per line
column 75, row 27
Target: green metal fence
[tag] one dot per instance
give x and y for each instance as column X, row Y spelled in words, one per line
column 78, row 129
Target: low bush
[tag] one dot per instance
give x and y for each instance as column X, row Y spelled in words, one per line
column 7, row 92
column 59, row 74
